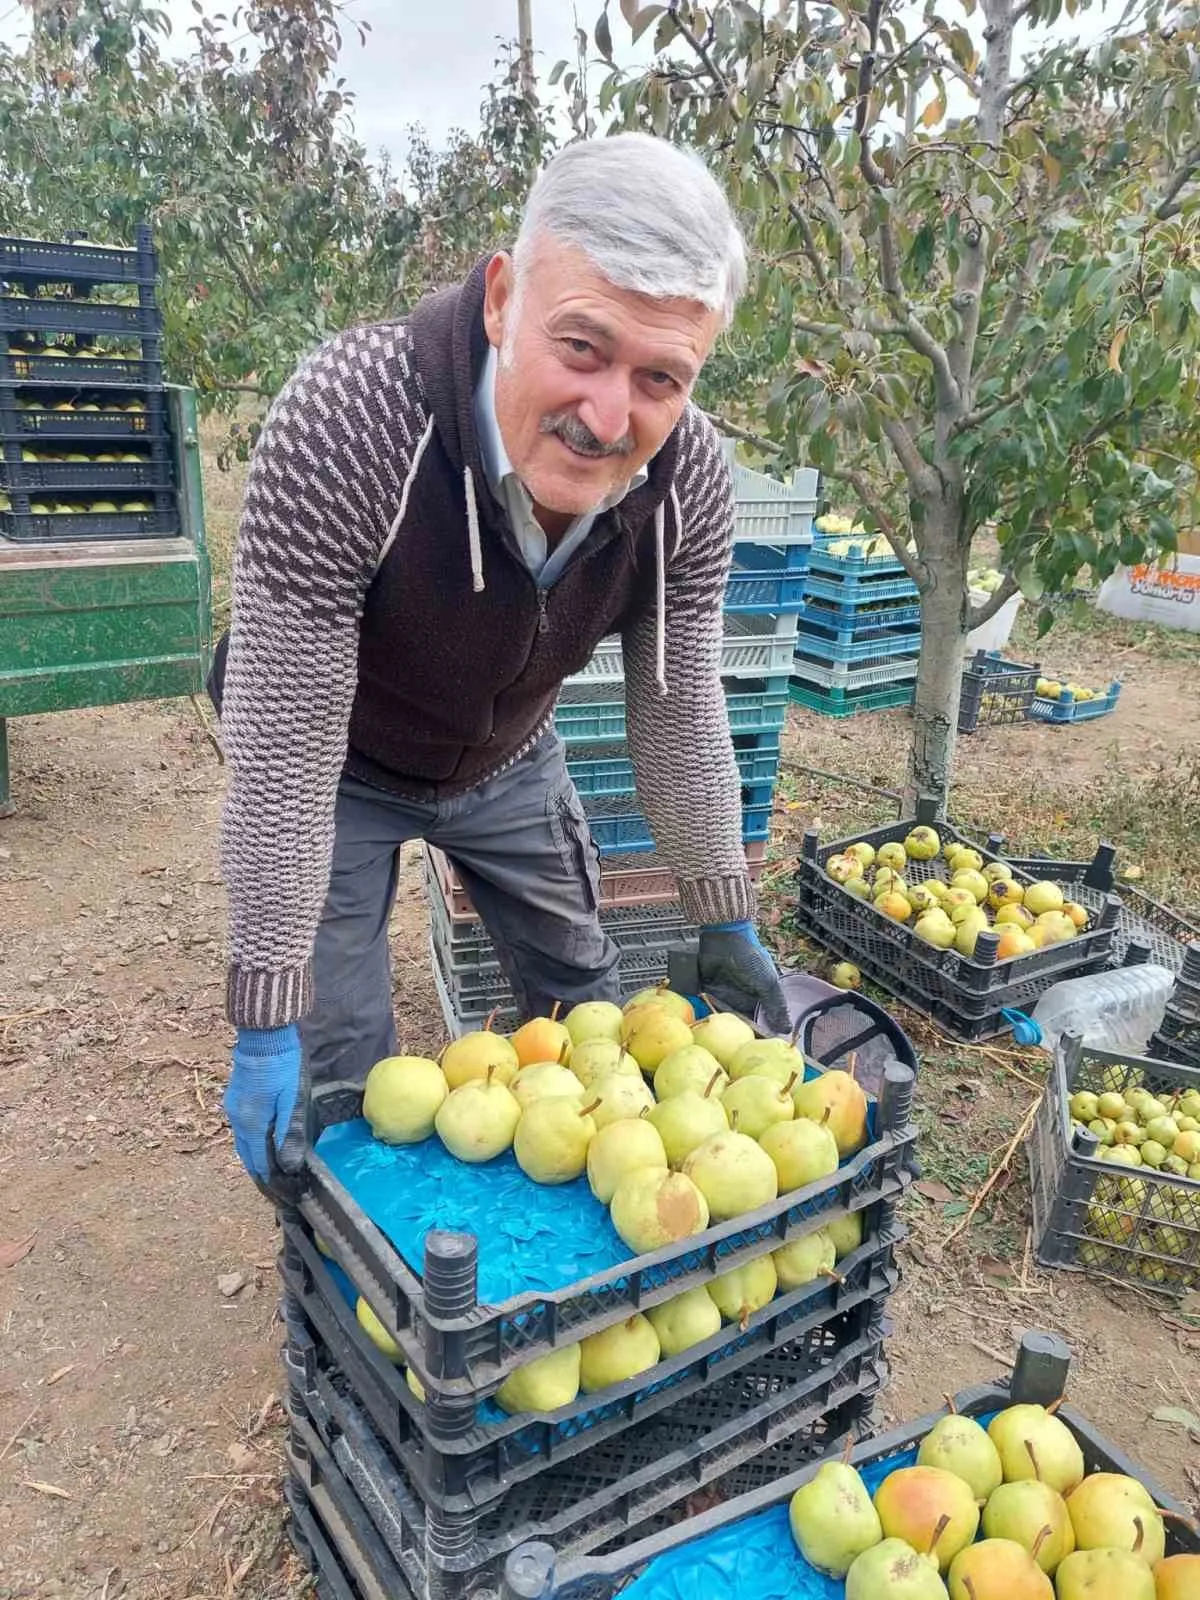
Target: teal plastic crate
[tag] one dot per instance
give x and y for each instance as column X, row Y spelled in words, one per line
column 845, row 703
column 607, row 770
column 595, row 713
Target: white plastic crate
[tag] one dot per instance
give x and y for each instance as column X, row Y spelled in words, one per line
column 753, row 647
column 768, row 511
column 840, row 675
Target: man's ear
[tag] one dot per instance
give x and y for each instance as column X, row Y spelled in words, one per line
column 498, row 299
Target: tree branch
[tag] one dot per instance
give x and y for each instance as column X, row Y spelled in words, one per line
column 1030, row 267
column 862, row 488
column 982, row 414
column 1168, row 206
column 916, row 469
column 698, row 46
column 733, row 431
column 978, row 615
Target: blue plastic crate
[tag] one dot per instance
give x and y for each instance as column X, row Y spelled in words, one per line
column 1068, row 709
column 606, row 771
column 849, row 617
column 873, row 644
column 822, row 559
column 774, row 558
column 853, row 590
column 589, row 714
column 627, row 831
column 766, row 578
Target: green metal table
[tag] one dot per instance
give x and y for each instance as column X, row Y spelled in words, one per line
column 103, row 622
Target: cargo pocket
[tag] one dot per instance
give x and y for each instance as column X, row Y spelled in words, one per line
column 577, row 850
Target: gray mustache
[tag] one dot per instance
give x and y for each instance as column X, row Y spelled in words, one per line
column 581, row 438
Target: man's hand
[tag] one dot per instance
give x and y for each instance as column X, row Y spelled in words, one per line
column 736, row 970
column 265, row 1106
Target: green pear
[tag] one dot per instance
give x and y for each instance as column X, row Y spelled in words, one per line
column 768, row 1058
column 652, row 1034
column 594, row 1019
column 616, row 1096
column 959, row 1445
column 1033, row 1444
column 477, row 1120
column 631, row 1144
column 740, row 1292
column 552, row 1138
column 1033, row 1515
column 832, row 1519
column 804, row 1260
column 617, row 1354
column 846, row 1233
column 479, row 1055
column 893, row 1570
column 401, row 1098
column 686, row 1120
column 734, row 1174
column 546, row 1080
column 802, row 1151
column 376, row 1332
column 1104, row 1575
column 755, row 1104
column 693, row 1068
column 997, row 1569
column 722, row 1034
column 652, row 1209
column 677, row 1005
column 547, row 1384
column 835, row 1099
column 596, row 1058
column 1111, row 1511
column 688, row 1319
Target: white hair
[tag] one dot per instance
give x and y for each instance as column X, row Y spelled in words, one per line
column 648, row 215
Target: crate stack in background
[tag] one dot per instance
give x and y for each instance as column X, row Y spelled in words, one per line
column 84, row 447
column 859, row 635
column 639, row 904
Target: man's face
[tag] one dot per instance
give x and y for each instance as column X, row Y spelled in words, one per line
column 591, row 378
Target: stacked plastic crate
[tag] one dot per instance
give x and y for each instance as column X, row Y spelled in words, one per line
column 84, row 447
column 859, row 634
column 639, row 904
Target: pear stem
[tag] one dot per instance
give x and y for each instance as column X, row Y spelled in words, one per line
column 849, row 1450
column 554, row 1010
column 1054, row 1405
column 835, row 1277
column 564, row 1052
column 712, row 1081
column 1179, row 1516
column 791, row 1083
column 587, row 1110
column 733, row 1121
column 852, row 1064
column 969, row 1587
column 1140, row 1535
column 950, row 1406
column 491, row 1017
column 710, row 1003
column 943, row 1524
column 795, row 1033
column 1037, row 1471
column 1040, row 1540
column 825, row 1116
column 490, row 1070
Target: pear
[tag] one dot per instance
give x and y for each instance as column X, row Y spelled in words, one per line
column 832, row 1519
column 722, row 1034
column 552, row 1139
column 475, row 1054
column 629, row 1145
column 688, row 1319
column 768, row 1058
column 542, row 1039
column 596, row 1058
column 757, row 1103
column 545, row 1080
column 1104, row 1575
column 1178, row 1578
column 690, row 1068
column 616, row 1096
column 677, row 1005
column 1033, row 1444
column 960, row 1445
column 836, row 1100
column 893, row 1570
column 740, row 1292
column 802, row 1151
column 1033, row 1515
column 376, row 1332
column 651, row 1209
column 997, row 1569
column 686, row 1120
column 401, row 1097
column 1111, row 1511
column 804, row 1259
column 550, row 1382
column 415, row 1386
column 594, row 1019
column 846, row 1233
column 477, row 1120
column 652, row 1034
column 734, row 1174
column 913, row 1502
column 618, row 1353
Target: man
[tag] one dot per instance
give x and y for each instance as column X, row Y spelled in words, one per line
column 444, row 517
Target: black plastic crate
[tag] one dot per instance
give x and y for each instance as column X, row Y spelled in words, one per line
column 966, row 995
column 21, row 423
column 1132, row 1223
column 538, row 1572
column 151, row 472
column 789, row 1398
column 462, row 1350
column 29, row 527
column 79, row 261
column 44, row 315
column 330, row 1532
column 995, row 691
column 79, row 371
column 491, row 1452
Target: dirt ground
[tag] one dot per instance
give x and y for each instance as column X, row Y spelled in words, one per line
column 140, row 1431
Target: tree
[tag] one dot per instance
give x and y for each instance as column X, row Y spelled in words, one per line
column 975, row 292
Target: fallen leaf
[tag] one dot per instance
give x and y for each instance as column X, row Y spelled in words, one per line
column 995, row 1268
column 14, row 1250
column 230, row 1282
column 1179, row 1417
column 45, row 1488
column 936, row 1192
column 61, row 1373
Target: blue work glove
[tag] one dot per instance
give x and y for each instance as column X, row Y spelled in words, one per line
column 265, row 1103
column 736, row 970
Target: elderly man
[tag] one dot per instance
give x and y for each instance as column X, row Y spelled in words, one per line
column 444, row 517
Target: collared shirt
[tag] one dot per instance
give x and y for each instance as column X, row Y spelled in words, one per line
column 544, row 563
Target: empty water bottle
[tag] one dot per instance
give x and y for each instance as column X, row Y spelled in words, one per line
column 1108, row 1010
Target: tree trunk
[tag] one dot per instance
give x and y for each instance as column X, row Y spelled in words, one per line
column 939, row 675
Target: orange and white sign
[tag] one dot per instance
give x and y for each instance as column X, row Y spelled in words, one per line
column 1168, row 594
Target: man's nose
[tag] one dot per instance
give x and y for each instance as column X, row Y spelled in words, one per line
column 605, row 407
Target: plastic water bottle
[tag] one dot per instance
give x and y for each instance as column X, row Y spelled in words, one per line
column 1108, row 1010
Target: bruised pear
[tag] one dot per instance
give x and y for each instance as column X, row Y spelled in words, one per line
column 915, row 1502
column 688, row 1319
column 618, row 1353
column 596, row 1058
column 1034, row 1444
column 1033, row 1515
column 893, row 1570
column 1104, row 1575
column 652, row 1209
column 1111, row 1511
column 631, row 1144
column 997, row 1569
column 832, row 1519
column 960, row 1445
column 740, row 1292
column 546, row 1384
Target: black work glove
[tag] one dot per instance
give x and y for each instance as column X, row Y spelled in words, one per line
column 736, row 970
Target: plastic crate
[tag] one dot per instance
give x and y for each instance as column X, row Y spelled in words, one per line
column 608, row 770
column 468, row 997
column 766, row 578
column 821, row 559
column 995, row 691
column 329, row 1530
column 767, row 511
column 83, row 372
column 845, row 703
column 538, row 1571
column 589, row 714
column 23, row 527
column 1136, row 1224
column 753, row 647
column 153, row 472
column 1068, row 709
column 853, row 591
column 859, row 611
column 865, row 644
column 482, row 1464
column 80, row 260
column 462, row 1350
column 965, row 994
column 618, row 827
column 848, row 677
column 47, row 315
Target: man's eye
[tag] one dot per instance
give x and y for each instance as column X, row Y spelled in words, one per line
column 661, row 380
column 578, row 347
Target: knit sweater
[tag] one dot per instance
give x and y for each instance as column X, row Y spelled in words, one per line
column 385, row 625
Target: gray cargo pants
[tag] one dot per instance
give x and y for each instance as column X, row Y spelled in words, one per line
column 521, row 845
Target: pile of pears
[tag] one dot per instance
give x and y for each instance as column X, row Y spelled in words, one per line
column 1136, row 1128
column 676, row 1123
column 1006, row 1513
column 974, row 897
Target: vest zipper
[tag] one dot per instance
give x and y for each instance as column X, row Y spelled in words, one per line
column 543, row 622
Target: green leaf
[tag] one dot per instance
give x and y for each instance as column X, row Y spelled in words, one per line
column 604, row 36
